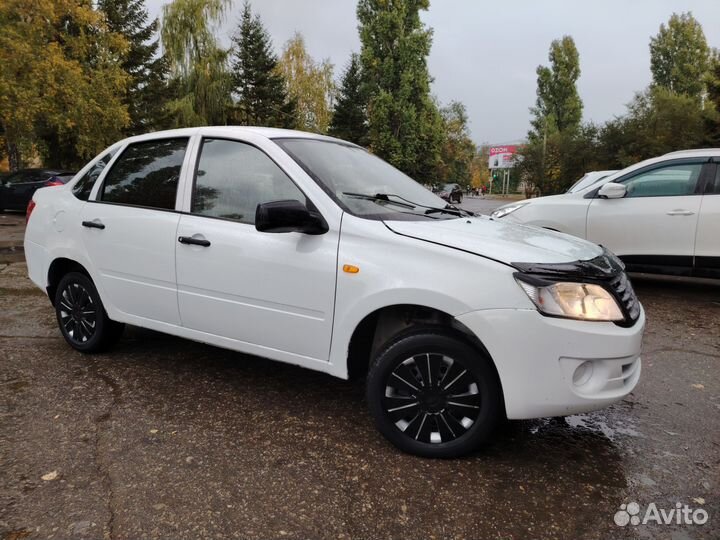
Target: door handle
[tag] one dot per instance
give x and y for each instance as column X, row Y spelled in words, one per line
column 680, row 213
column 97, row 224
column 193, row 241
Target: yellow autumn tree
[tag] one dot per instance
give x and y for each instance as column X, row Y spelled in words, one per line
column 310, row 85
column 59, row 72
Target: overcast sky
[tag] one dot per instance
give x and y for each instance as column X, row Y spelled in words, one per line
column 485, row 53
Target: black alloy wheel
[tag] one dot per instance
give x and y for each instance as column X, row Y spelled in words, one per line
column 434, row 395
column 81, row 316
column 77, row 312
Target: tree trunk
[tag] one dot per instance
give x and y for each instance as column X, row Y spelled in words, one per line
column 13, row 156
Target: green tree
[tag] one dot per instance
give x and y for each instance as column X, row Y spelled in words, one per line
column 658, row 121
column 147, row 90
column 197, row 63
column 457, row 150
column 712, row 112
column 309, row 84
column 680, row 56
column 60, row 74
column 558, row 106
column 405, row 126
column 349, row 120
column 257, row 84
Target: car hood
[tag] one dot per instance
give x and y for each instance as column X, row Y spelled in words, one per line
column 498, row 240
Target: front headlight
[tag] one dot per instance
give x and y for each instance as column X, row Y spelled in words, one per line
column 505, row 210
column 584, row 301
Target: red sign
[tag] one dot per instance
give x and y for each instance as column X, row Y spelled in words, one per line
column 510, row 149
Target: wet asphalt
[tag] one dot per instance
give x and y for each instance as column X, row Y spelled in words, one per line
column 166, row 438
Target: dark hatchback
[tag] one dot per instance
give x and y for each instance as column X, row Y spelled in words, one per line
column 452, row 193
column 17, row 188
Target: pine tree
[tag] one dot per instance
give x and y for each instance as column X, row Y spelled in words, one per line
column 405, row 127
column 147, row 90
column 258, row 86
column 349, row 119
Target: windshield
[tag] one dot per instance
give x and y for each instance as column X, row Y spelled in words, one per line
column 354, row 178
column 588, row 180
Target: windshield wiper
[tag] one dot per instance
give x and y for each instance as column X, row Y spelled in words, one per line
column 452, row 210
column 378, row 197
column 448, row 209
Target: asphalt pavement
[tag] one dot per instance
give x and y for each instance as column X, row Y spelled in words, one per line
column 166, row 438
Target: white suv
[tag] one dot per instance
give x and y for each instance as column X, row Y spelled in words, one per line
column 660, row 216
column 309, row 250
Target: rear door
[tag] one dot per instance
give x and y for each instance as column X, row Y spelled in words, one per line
column 707, row 241
column 129, row 229
column 653, row 227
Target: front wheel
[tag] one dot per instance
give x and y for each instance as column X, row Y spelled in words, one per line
column 433, row 395
column 81, row 316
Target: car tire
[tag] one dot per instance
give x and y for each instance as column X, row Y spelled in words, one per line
column 81, row 316
column 417, row 410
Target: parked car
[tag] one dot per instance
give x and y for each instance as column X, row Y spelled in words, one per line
column 659, row 216
column 451, row 193
column 17, row 188
column 310, row 250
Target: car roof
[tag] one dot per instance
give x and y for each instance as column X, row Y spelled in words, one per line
column 598, row 173
column 270, row 133
column 39, row 170
column 710, row 152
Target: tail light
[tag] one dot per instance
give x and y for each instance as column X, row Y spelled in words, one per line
column 30, row 208
column 53, row 182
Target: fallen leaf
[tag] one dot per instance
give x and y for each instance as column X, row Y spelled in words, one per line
column 50, row 476
column 153, row 431
column 698, row 386
column 699, row 500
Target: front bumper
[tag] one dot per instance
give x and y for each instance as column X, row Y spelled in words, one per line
column 556, row 367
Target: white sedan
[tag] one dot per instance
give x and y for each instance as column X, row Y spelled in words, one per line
column 312, row 251
column 659, row 216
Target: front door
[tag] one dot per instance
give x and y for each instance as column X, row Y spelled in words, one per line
column 707, row 243
column 129, row 230
column 654, row 224
column 271, row 293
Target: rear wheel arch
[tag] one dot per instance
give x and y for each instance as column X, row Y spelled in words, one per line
column 59, row 268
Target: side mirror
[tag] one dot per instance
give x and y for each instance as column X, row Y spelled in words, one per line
column 288, row 216
column 612, row 191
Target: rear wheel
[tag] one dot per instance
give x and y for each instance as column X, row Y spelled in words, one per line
column 81, row 316
column 433, row 395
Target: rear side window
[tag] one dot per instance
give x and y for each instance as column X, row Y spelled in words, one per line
column 146, row 174
column 83, row 187
column 670, row 181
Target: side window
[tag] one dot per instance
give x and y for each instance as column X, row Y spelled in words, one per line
column 146, row 174
column 234, row 177
column 83, row 187
column 669, row 181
